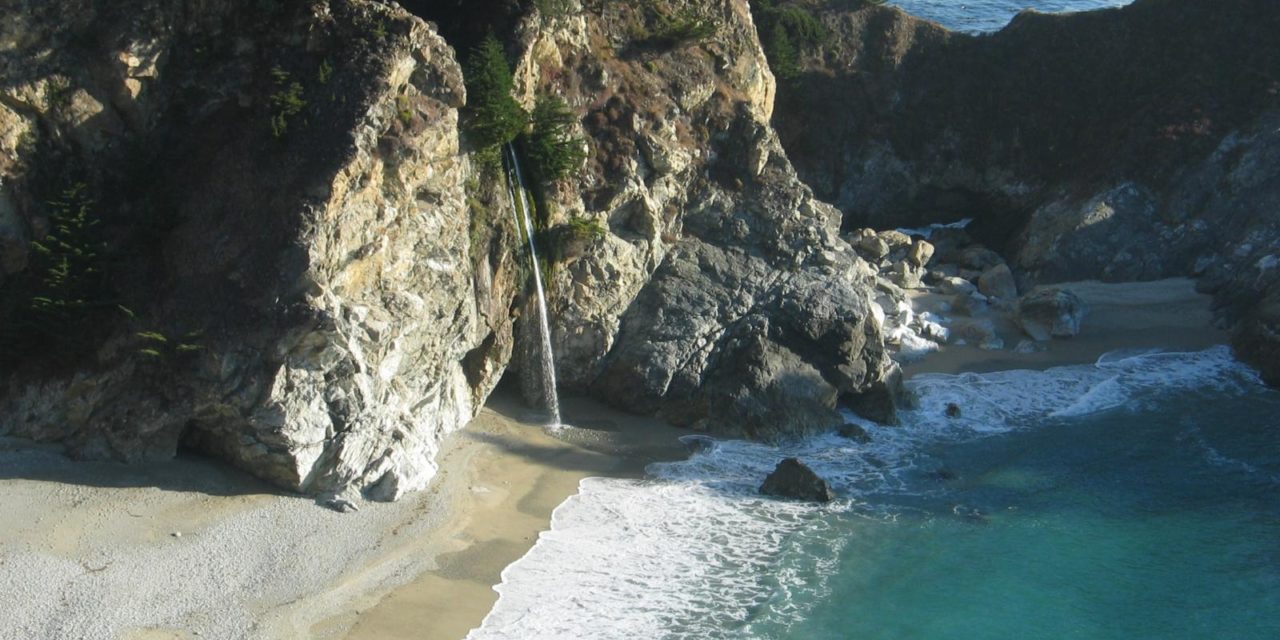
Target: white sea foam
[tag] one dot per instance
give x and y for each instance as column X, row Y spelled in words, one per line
column 695, row 552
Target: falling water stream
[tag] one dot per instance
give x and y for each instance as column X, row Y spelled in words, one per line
column 520, row 209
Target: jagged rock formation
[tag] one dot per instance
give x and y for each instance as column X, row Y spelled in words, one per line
column 1125, row 144
column 721, row 297
column 285, row 187
column 345, row 325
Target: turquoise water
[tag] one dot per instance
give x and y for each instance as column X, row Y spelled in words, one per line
column 1135, row 498
column 1156, row 522
column 990, row 15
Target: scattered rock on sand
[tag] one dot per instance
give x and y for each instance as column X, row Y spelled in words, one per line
column 954, row 285
column 1050, row 312
column 906, row 275
column 975, row 332
column 979, row 258
column 872, row 248
column 793, row 479
column 1028, row 346
column 895, row 239
column 998, row 282
column 920, row 253
column 341, row 504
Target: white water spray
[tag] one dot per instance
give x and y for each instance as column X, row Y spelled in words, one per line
column 520, row 208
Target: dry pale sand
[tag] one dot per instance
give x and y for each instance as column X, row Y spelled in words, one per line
column 192, row 549
column 1163, row 314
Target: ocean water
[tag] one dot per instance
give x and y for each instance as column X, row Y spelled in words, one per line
column 1138, row 497
column 989, row 15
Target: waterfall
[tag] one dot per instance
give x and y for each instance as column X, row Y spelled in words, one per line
column 520, row 209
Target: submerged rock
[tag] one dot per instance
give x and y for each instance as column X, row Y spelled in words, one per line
column 696, row 444
column 794, row 479
column 854, row 432
column 1050, row 312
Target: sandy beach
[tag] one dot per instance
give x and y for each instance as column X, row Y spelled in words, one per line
column 518, row 476
column 1162, row 314
column 191, row 548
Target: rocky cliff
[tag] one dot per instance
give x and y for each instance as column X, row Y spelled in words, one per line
column 721, row 296
column 281, row 190
column 295, row 265
column 1126, row 144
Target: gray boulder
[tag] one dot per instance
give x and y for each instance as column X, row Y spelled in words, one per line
column 907, row 275
column 920, row 254
column 979, row 258
column 793, row 479
column 895, row 239
column 953, row 285
column 1050, row 312
column 872, row 248
column 998, row 282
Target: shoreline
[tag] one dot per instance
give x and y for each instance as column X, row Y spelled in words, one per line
column 1161, row 314
column 92, row 549
column 519, row 475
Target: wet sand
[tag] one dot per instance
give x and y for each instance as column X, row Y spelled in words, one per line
column 1164, row 314
column 516, row 478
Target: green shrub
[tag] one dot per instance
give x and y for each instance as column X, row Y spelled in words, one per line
column 786, row 30
column 568, row 241
column 587, row 229
column 492, row 117
column 286, row 102
column 325, row 72
column 682, row 27
column 49, row 310
column 783, row 58
column 156, row 346
column 553, row 8
column 404, row 110
column 551, row 149
column 801, row 26
column 68, row 262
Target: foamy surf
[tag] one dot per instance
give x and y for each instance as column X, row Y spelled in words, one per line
column 695, row 552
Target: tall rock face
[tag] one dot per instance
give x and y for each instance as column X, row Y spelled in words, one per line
column 721, row 296
column 304, row 273
column 282, row 191
column 1122, row 144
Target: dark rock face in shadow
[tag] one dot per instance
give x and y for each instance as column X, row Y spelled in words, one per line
column 1124, row 144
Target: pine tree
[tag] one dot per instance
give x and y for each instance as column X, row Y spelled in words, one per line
column 492, row 116
column 68, row 261
column 782, row 55
column 551, row 148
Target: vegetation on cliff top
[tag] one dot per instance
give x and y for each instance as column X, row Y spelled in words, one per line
column 789, row 28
